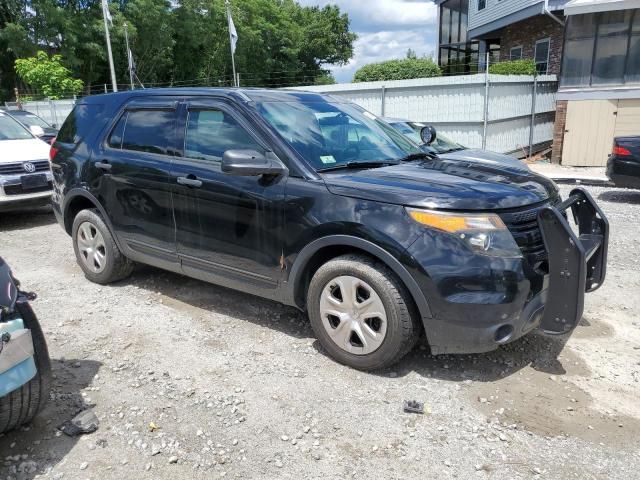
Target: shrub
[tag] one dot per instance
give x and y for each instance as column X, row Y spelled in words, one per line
column 398, row 70
column 48, row 75
column 514, row 67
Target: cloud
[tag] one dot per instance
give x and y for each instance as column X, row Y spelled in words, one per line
column 385, row 45
column 386, row 29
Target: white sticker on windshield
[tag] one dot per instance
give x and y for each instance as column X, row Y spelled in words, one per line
column 369, row 115
column 327, row 159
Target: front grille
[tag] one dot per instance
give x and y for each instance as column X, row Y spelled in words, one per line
column 523, row 225
column 17, row 168
column 18, row 190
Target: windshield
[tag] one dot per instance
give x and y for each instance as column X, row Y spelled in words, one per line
column 332, row 134
column 10, row 129
column 30, row 119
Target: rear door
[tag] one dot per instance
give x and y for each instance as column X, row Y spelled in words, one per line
column 131, row 179
column 228, row 228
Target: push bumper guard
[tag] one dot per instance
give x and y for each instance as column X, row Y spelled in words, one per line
column 577, row 263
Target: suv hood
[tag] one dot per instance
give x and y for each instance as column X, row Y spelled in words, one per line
column 27, row 150
column 453, row 181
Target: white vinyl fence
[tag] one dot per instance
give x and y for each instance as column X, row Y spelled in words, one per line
column 54, row 112
column 508, row 114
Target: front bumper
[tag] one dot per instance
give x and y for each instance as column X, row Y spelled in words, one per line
column 480, row 302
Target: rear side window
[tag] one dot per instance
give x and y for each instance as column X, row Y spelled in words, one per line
column 79, row 123
column 150, row 131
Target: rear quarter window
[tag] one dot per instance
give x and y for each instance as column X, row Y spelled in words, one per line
column 79, row 123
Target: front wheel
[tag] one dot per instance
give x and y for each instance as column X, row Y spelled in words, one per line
column 361, row 313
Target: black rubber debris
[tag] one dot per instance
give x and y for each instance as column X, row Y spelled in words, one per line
column 413, row 406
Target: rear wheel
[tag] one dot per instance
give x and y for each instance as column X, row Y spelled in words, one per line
column 21, row 405
column 96, row 251
column 361, row 312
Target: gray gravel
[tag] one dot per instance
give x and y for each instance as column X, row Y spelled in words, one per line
column 191, row 380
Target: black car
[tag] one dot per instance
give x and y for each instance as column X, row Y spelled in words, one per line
column 310, row 201
column 623, row 166
column 37, row 125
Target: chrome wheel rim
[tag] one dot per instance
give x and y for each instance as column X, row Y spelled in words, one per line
column 353, row 315
column 93, row 252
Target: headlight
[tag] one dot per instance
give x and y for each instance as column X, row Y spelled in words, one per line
column 483, row 233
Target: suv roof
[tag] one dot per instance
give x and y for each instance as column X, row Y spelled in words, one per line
column 242, row 94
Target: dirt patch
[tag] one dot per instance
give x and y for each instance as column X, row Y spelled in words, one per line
column 553, row 406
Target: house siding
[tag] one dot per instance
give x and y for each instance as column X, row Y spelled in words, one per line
column 495, row 10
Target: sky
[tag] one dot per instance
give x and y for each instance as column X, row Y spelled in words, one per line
column 386, row 29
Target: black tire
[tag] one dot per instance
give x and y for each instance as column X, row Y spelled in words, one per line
column 21, row 405
column 403, row 327
column 117, row 265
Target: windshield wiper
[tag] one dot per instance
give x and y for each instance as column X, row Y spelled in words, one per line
column 349, row 165
column 418, row 156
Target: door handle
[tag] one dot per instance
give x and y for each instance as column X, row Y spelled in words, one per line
column 190, row 181
column 103, row 165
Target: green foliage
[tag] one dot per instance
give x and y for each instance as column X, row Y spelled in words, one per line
column 398, row 70
column 514, row 67
column 48, row 75
column 324, row 78
column 186, row 42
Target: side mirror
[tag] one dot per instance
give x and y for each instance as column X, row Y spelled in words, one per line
column 428, row 134
column 36, row 130
column 249, row 163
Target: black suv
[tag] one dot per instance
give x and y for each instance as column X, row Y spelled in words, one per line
column 311, row 201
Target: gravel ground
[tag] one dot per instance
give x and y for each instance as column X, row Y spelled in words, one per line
column 194, row 380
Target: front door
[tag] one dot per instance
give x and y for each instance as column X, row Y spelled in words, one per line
column 131, row 179
column 228, row 228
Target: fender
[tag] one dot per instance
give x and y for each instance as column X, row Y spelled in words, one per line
column 298, row 267
column 81, row 192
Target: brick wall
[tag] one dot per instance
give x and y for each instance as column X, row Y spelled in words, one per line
column 558, row 131
column 527, row 32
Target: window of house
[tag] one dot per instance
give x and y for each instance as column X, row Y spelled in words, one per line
column 482, row 4
column 611, row 47
column 211, row 132
column 542, row 56
column 632, row 73
column 602, row 49
column 515, row 53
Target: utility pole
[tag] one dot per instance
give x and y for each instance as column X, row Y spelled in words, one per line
column 106, row 15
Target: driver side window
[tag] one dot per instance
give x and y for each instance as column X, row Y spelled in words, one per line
column 211, row 132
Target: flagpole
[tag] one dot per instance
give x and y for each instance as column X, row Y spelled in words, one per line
column 129, row 55
column 108, row 38
column 233, row 61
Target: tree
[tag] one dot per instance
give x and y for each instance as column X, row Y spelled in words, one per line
column 177, row 42
column 48, row 75
column 398, row 70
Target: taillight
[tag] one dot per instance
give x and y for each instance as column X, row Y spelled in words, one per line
column 53, row 151
column 621, row 151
